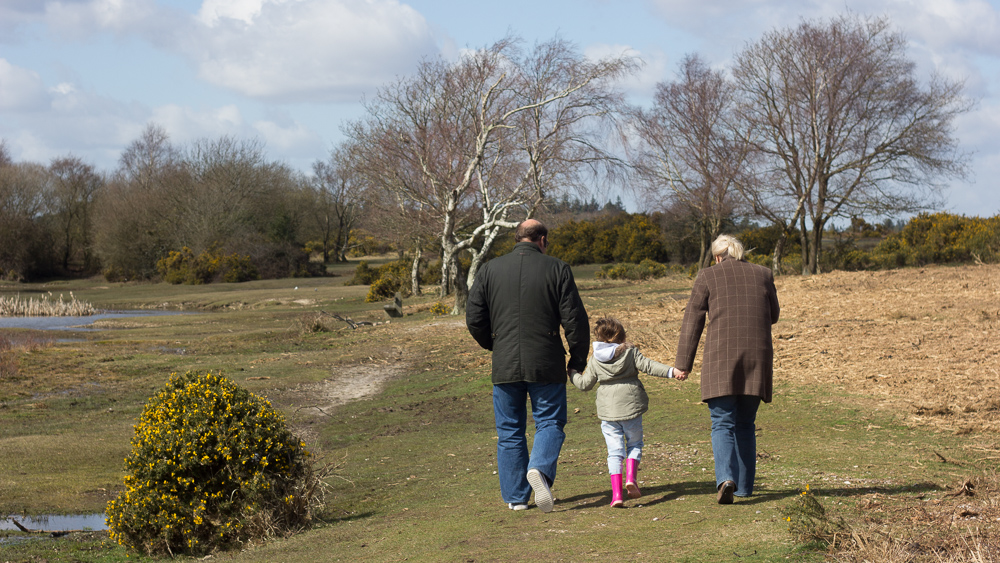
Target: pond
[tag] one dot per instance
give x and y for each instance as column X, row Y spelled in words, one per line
column 56, row 522
column 77, row 323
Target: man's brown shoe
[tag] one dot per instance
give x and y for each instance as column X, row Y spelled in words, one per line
column 726, row 492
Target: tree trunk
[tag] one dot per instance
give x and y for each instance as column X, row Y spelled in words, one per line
column 461, row 290
column 817, row 244
column 447, row 257
column 478, row 255
column 779, row 251
column 704, row 260
column 415, row 273
column 804, row 244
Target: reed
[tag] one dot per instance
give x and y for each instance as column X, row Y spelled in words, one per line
column 19, row 307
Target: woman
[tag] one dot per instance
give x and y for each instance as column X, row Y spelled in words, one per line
column 741, row 304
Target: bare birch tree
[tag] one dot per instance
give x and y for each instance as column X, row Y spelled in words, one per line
column 836, row 110
column 450, row 141
column 690, row 154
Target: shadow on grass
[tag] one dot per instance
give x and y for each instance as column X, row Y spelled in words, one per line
column 653, row 495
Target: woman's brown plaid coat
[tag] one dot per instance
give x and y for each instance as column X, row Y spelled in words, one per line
column 741, row 304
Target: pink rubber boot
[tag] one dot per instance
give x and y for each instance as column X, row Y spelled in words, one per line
column 616, row 491
column 631, row 469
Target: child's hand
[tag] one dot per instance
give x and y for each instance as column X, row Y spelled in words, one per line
column 680, row 375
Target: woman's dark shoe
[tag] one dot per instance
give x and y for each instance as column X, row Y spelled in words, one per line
column 726, row 492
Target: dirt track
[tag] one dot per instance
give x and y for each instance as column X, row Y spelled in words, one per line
column 920, row 342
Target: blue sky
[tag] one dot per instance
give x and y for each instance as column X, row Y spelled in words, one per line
column 83, row 77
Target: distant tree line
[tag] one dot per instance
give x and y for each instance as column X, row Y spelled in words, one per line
column 218, row 210
column 810, row 126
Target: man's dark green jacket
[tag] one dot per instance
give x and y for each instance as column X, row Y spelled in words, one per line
column 515, row 308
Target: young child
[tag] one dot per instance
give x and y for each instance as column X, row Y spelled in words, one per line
column 621, row 400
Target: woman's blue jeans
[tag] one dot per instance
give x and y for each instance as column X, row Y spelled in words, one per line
column 548, row 409
column 733, row 441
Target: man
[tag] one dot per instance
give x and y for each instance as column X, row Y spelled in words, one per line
column 741, row 304
column 515, row 308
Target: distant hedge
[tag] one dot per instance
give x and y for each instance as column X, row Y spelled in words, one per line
column 939, row 238
column 622, row 237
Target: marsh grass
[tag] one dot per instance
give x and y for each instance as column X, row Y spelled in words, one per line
column 18, row 306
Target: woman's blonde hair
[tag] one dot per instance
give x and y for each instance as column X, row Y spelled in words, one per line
column 727, row 245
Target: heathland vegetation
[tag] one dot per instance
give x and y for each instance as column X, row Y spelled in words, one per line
column 895, row 454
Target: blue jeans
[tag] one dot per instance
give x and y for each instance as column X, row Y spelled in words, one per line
column 733, row 441
column 548, row 408
column 624, row 437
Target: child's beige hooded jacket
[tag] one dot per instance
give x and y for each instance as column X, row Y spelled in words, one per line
column 621, row 395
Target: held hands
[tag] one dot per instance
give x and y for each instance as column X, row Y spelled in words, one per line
column 680, row 375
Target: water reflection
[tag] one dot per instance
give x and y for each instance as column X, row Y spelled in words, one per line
column 56, row 522
column 77, row 323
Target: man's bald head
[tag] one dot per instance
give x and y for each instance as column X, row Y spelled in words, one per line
column 530, row 230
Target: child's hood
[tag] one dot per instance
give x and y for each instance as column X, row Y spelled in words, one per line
column 605, row 351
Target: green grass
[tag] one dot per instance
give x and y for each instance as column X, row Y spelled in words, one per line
column 414, row 466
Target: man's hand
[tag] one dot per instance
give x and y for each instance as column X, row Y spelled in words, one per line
column 680, row 375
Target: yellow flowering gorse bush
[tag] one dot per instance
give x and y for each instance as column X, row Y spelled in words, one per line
column 212, row 465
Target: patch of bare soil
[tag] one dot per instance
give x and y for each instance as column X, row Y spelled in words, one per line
column 347, row 383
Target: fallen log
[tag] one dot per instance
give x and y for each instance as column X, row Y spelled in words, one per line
column 53, row 533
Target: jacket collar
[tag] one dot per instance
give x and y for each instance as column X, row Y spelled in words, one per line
column 527, row 245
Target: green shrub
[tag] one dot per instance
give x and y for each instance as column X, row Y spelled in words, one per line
column 645, row 270
column 388, row 279
column 363, row 274
column 381, row 289
column 618, row 238
column 212, row 466
column 440, row 309
column 762, row 240
column 431, row 275
column 845, row 255
column 364, row 244
column 759, row 259
column 184, row 266
column 236, row 268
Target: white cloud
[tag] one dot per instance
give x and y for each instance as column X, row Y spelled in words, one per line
column 244, row 10
column 308, row 50
column 78, row 19
column 948, row 24
column 185, row 124
column 288, row 137
column 278, row 50
column 655, row 67
column 20, row 89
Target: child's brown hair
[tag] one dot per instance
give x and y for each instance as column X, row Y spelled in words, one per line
column 609, row 329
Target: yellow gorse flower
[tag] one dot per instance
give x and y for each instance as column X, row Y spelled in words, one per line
column 205, row 453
